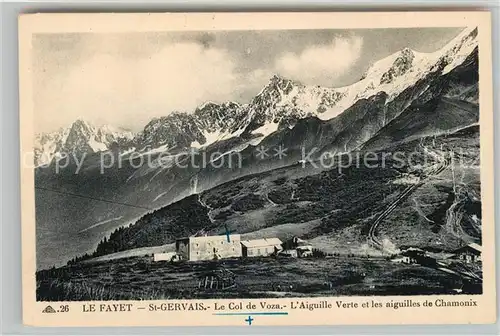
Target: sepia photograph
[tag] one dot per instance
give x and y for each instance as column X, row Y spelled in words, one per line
column 257, row 163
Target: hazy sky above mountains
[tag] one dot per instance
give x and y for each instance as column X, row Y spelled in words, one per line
column 127, row 79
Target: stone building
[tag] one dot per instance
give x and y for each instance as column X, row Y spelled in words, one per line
column 208, row 247
column 469, row 253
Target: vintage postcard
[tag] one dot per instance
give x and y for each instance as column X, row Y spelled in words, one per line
column 251, row 169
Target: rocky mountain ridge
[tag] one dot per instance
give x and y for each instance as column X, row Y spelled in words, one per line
column 79, row 138
column 280, row 104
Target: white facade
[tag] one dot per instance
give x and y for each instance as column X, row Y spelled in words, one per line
column 167, row 256
column 209, row 247
column 260, row 247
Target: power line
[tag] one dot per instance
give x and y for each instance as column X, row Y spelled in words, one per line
column 93, row 198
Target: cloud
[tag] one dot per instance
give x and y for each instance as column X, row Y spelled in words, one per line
column 109, row 89
column 128, row 81
column 250, row 83
column 321, row 63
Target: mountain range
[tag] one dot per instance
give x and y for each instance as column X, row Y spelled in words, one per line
column 281, row 103
column 406, row 96
column 81, row 137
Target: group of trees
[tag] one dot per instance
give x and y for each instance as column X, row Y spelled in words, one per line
column 316, row 253
column 77, row 259
column 159, row 227
column 114, row 243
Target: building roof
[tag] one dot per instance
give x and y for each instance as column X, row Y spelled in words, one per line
column 476, row 248
column 413, row 252
column 414, row 249
column 205, row 238
column 261, row 242
column 165, row 253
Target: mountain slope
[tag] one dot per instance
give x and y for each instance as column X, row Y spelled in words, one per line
column 333, row 208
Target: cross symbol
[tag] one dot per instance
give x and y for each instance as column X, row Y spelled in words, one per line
column 249, row 320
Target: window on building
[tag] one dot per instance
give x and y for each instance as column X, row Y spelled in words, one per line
column 258, row 251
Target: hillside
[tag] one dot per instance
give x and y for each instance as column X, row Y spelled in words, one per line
column 335, row 208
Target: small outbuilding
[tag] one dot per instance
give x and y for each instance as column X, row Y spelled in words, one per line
column 261, row 247
column 289, row 253
column 412, row 255
column 415, row 255
column 469, row 253
column 165, row 256
column 302, row 248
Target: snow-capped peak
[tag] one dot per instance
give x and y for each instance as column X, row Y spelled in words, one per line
column 206, row 104
column 393, row 61
column 456, row 51
column 283, row 100
column 277, row 82
column 79, row 138
column 402, row 69
column 210, row 122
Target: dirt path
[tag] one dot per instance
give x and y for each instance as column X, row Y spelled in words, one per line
column 371, row 234
column 209, row 214
column 266, row 197
column 445, row 162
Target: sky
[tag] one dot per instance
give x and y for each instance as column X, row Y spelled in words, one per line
column 126, row 79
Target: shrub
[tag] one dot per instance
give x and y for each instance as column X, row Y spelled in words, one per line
column 316, row 253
